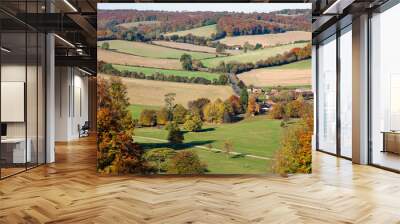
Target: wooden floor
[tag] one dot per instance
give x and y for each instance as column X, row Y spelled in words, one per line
column 70, row 191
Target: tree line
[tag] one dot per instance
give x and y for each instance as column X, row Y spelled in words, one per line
column 109, row 69
column 295, row 54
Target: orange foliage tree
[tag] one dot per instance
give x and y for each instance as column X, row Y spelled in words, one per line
column 295, row 153
column 116, row 151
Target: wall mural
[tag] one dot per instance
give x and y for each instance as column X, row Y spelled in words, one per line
column 190, row 88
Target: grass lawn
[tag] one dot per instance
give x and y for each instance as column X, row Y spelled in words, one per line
column 252, row 56
column 151, row 51
column 256, row 135
column 137, row 109
column 149, row 71
column 220, row 163
column 204, row 31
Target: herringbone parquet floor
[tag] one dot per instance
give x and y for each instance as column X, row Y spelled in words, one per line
column 70, row 191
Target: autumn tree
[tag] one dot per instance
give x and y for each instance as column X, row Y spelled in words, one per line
column 278, row 111
column 159, row 158
column 162, row 116
column 294, row 156
column 186, row 61
column 197, row 106
column 117, row 152
column 179, row 113
column 169, row 100
column 235, row 103
column 253, row 107
column 214, row 112
column 193, row 122
column 148, row 118
column 175, row 135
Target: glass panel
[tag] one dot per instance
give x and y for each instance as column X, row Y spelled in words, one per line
column 31, row 99
column 13, row 87
column 327, row 96
column 346, row 94
column 385, row 84
column 41, row 98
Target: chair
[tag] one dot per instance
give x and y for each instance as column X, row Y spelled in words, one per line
column 84, row 130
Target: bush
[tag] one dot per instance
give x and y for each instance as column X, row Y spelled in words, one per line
column 186, row 162
column 105, row 45
column 175, row 135
column 294, row 108
column 158, row 158
column 186, row 61
column 193, row 123
column 148, row 118
column 179, row 113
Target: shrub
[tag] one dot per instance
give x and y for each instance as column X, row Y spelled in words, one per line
column 179, row 113
column 193, row 123
column 148, row 118
column 186, row 162
column 294, row 108
column 175, row 135
column 105, row 45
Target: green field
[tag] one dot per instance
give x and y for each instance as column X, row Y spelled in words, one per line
column 204, row 31
column 252, row 56
column 304, row 64
column 137, row 109
column 258, row 135
column 218, row 162
column 150, row 71
column 151, row 51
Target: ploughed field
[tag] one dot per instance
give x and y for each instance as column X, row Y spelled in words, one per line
column 268, row 39
column 297, row 73
column 151, row 92
column 114, row 57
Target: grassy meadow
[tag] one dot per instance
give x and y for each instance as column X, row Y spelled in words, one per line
column 150, row 71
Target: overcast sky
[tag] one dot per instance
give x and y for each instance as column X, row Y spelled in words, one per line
column 215, row 7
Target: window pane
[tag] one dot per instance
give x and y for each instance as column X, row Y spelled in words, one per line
column 346, row 94
column 327, row 96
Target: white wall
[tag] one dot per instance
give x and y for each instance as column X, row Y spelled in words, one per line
column 71, row 102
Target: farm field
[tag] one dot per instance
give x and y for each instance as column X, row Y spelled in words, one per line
column 204, row 31
column 136, row 24
column 252, row 56
column 298, row 73
column 268, row 39
column 258, row 135
column 183, row 73
column 151, row 51
column 192, row 47
column 151, row 92
column 129, row 59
